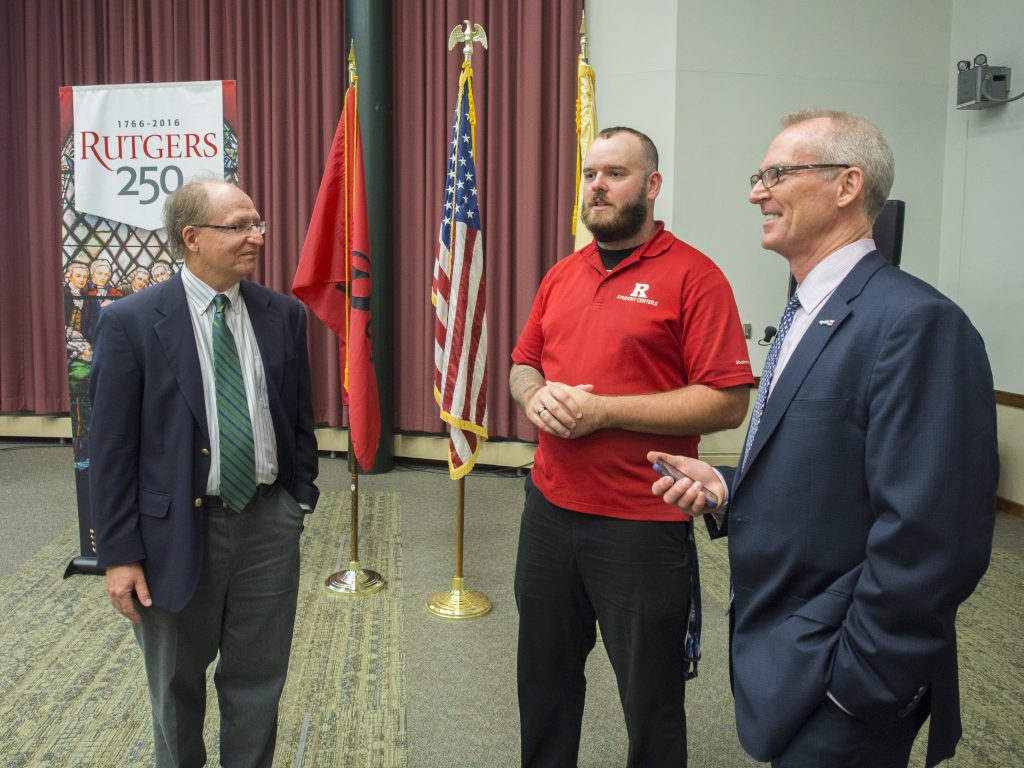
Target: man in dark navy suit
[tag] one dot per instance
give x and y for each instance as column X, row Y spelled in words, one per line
column 861, row 513
column 202, row 474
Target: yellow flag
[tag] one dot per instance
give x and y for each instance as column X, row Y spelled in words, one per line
column 586, row 132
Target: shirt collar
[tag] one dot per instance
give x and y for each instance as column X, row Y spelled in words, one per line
column 200, row 295
column 822, row 281
column 655, row 245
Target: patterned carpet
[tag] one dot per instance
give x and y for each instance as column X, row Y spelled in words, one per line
column 990, row 637
column 72, row 691
column 73, row 686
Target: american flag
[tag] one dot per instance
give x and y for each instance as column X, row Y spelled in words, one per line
column 459, row 296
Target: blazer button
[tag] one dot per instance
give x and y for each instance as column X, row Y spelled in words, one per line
column 198, row 502
column 205, row 451
column 903, row 712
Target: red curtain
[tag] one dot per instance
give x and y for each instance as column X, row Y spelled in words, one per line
column 289, row 63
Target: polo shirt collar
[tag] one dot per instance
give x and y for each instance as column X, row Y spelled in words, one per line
column 655, row 245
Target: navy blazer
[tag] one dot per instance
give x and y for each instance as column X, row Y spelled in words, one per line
column 864, row 515
column 149, row 440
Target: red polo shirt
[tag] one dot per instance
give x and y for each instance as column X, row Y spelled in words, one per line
column 664, row 318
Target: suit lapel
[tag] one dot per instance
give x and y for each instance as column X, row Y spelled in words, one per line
column 269, row 331
column 837, row 309
column 177, row 336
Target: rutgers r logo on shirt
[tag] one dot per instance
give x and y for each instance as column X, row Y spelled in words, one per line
column 639, row 295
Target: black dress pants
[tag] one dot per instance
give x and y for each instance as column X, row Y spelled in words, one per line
column 633, row 578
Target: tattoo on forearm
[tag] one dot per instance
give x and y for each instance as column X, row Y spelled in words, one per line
column 523, row 381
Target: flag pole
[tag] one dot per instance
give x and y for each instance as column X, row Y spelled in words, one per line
column 583, row 37
column 354, row 580
column 586, row 131
column 459, row 602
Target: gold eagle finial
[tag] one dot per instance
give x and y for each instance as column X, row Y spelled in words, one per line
column 473, row 33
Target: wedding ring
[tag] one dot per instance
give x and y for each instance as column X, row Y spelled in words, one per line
column 541, row 409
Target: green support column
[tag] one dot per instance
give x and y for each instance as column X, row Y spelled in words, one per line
column 368, row 23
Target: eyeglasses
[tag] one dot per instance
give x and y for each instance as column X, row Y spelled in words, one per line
column 769, row 177
column 244, row 228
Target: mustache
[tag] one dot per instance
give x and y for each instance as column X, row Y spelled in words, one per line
column 598, row 198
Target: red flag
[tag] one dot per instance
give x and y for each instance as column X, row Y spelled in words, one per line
column 458, row 292
column 333, row 277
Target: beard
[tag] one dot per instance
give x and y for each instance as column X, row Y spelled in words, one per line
column 626, row 222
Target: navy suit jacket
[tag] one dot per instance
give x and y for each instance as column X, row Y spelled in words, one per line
column 864, row 515
column 150, row 444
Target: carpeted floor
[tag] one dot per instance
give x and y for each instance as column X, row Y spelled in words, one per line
column 377, row 682
column 990, row 638
column 74, row 690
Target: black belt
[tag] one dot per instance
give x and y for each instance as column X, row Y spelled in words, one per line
column 212, row 503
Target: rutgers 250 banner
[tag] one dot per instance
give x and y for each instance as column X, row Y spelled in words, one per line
column 124, row 149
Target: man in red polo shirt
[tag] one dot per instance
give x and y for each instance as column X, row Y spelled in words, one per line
column 633, row 341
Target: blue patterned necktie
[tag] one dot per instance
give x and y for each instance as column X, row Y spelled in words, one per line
column 768, row 372
column 237, row 454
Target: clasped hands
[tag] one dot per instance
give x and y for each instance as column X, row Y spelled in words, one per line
column 566, row 411
column 570, row 412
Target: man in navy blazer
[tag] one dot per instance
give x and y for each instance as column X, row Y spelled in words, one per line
column 862, row 510
column 197, row 575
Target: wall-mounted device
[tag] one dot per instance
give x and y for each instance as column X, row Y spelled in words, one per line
column 981, row 86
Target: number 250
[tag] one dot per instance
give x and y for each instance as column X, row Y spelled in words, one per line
column 131, row 188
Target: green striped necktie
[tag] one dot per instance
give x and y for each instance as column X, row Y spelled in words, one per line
column 237, row 454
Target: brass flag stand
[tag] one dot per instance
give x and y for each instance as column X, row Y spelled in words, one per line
column 459, row 602
column 354, row 580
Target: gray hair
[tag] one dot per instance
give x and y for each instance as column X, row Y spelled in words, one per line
column 97, row 263
column 650, row 152
column 852, row 140
column 188, row 204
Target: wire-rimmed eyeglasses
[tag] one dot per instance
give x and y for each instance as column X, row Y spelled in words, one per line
column 769, row 177
column 242, row 228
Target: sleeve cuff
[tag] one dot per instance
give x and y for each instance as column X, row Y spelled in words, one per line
column 719, row 512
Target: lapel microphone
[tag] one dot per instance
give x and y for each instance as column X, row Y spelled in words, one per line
column 769, row 334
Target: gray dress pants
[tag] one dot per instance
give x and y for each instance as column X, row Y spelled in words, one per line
column 244, row 610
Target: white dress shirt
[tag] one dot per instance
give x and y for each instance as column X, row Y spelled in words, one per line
column 199, row 298
column 817, row 287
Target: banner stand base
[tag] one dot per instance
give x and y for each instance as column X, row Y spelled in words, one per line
column 86, row 566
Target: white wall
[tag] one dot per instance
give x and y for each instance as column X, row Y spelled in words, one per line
column 709, row 82
column 982, row 262
column 982, row 256
column 633, row 50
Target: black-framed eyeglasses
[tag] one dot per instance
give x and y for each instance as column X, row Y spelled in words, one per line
column 243, row 228
column 769, row 177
